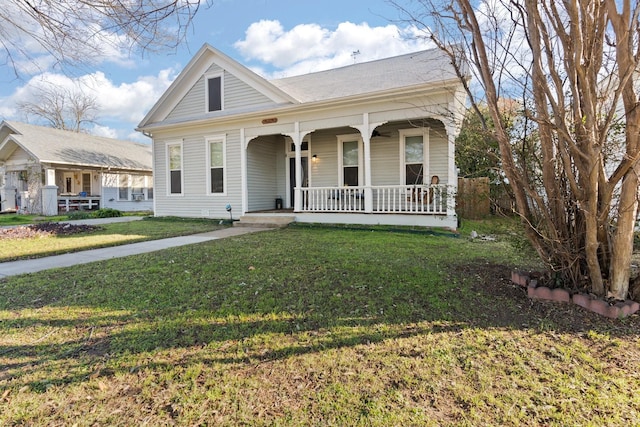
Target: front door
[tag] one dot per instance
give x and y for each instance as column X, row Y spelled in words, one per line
column 67, row 186
column 292, row 176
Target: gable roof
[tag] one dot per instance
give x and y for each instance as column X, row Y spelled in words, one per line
column 404, row 71
column 48, row 145
column 196, row 68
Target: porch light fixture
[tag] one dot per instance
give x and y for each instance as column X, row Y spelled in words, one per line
column 314, row 158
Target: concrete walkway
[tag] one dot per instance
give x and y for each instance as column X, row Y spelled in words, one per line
column 14, row 268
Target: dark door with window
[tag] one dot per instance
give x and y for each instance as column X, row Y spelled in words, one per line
column 292, row 176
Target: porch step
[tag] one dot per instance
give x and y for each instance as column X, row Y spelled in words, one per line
column 264, row 221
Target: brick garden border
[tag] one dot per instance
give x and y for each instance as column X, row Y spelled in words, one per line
column 617, row 310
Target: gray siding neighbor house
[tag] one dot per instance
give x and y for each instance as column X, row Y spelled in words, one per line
column 370, row 143
column 47, row 171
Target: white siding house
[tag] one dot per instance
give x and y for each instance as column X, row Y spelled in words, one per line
column 46, row 171
column 370, row 143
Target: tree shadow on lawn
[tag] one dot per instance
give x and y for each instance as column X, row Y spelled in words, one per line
column 76, row 360
column 250, row 310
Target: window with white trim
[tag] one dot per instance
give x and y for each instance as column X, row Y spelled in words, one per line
column 123, row 187
column 216, row 153
column 137, row 187
column 174, row 167
column 414, row 154
column 86, row 182
column 214, row 92
column 149, row 180
column 350, row 159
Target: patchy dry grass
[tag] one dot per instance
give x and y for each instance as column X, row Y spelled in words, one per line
column 115, row 234
column 309, row 327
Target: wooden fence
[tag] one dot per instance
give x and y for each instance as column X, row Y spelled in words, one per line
column 473, row 201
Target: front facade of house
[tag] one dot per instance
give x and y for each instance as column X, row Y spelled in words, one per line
column 48, row 171
column 371, row 143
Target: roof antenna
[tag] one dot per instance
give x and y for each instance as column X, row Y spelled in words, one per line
column 354, row 54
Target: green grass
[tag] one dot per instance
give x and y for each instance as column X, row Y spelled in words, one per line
column 19, row 219
column 119, row 233
column 309, row 326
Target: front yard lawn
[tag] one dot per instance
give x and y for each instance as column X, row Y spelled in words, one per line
column 120, row 233
column 309, row 326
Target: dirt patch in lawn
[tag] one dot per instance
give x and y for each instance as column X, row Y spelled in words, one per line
column 45, row 229
column 513, row 308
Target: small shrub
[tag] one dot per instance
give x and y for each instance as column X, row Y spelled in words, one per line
column 107, row 213
column 79, row 215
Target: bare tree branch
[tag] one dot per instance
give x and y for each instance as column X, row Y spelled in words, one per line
column 61, row 108
column 74, row 33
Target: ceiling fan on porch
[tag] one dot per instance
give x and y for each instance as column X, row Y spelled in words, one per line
column 376, row 133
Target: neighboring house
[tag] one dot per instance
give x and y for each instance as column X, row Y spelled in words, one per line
column 45, row 170
column 370, row 143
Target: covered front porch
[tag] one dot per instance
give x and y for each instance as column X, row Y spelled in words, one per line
column 395, row 173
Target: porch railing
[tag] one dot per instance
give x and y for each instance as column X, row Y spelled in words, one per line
column 406, row 199
column 332, row 199
column 67, row 203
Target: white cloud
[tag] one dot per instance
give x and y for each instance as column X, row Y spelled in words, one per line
column 119, row 104
column 308, row 47
column 128, row 102
column 105, row 131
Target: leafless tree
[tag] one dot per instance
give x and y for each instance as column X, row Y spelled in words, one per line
column 71, row 33
column 573, row 66
column 61, row 108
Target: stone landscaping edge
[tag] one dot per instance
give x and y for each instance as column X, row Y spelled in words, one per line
column 617, row 310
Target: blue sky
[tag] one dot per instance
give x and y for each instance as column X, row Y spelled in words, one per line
column 275, row 38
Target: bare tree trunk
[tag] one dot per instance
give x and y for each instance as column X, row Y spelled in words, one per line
column 576, row 66
column 622, row 247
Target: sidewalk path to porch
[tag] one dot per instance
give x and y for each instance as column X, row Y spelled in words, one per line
column 15, row 268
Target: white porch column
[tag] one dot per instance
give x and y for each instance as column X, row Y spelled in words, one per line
column 244, row 145
column 452, row 172
column 366, row 129
column 49, row 200
column 297, row 136
column 297, row 143
column 50, row 177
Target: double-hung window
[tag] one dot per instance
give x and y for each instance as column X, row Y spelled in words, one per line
column 414, row 154
column 216, row 153
column 86, row 183
column 174, row 166
column 350, row 159
column 214, row 93
column 137, row 187
column 123, row 187
column 149, row 188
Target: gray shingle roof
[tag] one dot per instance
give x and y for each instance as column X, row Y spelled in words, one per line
column 50, row 145
column 419, row 68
